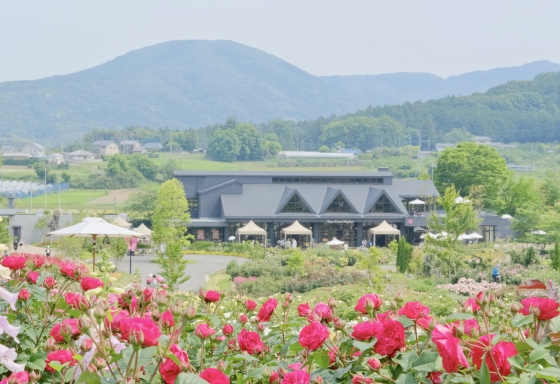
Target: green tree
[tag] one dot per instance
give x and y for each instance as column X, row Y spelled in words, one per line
column 324, row 149
column 169, row 221
column 146, row 166
column 66, row 177
column 555, row 257
column 167, row 169
column 118, row 249
column 404, row 255
column 140, row 205
column 251, row 144
column 117, row 164
column 516, row 193
column 4, row 234
column 550, row 189
column 528, row 217
column 457, row 135
column 370, row 263
column 468, row 165
column 223, row 146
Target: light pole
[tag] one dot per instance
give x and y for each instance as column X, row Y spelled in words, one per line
column 433, row 165
column 45, row 186
column 58, row 177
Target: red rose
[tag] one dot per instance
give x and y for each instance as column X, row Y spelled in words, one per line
column 147, row 295
column 297, row 377
column 374, row 364
column 213, row 376
column 70, row 325
column 425, row 322
column 204, row 331
column 38, row 262
column 17, row 378
column 414, row 310
column 365, row 331
column 373, row 298
column 169, row 370
column 435, row 377
column 49, row 282
column 167, row 319
column 212, row 297
column 62, row 356
column 449, row 349
column 250, row 305
column 499, row 354
column 113, row 320
column 303, row 309
column 89, row 283
column 472, row 305
column 69, row 269
column 32, row 277
column 359, row 379
column 250, row 342
column 545, row 308
column 267, row 309
column 470, row 326
column 323, row 311
column 24, row 294
column 14, row 262
column 390, row 338
column 227, row 329
column 77, row 301
column 274, row 378
column 313, row 336
column 243, row 318
column 146, row 327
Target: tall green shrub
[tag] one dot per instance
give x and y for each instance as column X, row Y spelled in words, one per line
column 404, row 255
column 556, row 256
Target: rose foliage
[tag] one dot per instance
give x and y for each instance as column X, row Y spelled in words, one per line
column 71, row 327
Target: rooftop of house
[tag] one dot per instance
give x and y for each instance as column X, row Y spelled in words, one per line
column 102, row 143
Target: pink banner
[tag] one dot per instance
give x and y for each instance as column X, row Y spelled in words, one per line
column 132, row 242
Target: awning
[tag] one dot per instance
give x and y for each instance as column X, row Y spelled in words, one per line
column 384, row 229
column 417, row 202
column 251, row 229
column 296, row 229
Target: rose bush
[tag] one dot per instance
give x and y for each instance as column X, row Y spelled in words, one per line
column 64, row 326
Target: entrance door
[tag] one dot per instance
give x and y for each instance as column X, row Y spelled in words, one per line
column 17, row 233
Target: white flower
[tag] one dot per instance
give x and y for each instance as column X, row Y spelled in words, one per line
column 227, row 315
column 7, row 357
column 5, row 273
column 11, row 298
column 266, row 331
column 8, row 329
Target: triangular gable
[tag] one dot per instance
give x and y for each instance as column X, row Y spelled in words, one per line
column 339, row 203
column 384, row 204
column 295, row 204
column 330, row 194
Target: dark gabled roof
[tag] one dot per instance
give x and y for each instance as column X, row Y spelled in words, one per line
column 415, row 188
column 128, row 142
column 102, row 143
column 80, row 152
column 284, row 173
column 152, row 146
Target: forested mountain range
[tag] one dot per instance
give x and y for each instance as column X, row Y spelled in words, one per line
column 182, row 84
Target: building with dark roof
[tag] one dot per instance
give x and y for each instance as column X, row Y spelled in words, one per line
column 104, row 148
column 332, row 204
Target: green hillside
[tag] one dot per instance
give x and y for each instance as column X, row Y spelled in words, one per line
column 179, row 84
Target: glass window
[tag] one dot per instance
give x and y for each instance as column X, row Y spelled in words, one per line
column 383, row 205
column 193, row 204
column 295, row 205
column 339, row 205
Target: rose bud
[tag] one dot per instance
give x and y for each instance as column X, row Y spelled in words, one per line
column 243, row 319
column 339, row 324
column 260, row 327
column 176, row 310
column 221, row 366
column 250, row 305
column 147, row 295
column 479, row 298
column 227, row 329
column 189, row 313
column 99, row 313
column 535, row 311
column 490, row 314
column 318, row 380
column 100, row 363
column 155, row 315
column 24, row 294
column 289, row 297
column 374, row 364
column 51, row 344
column 66, row 331
column 162, row 302
column 92, row 368
column 138, row 290
column 369, row 305
column 313, row 317
column 332, row 303
column 34, row 377
column 49, row 282
column 83, row 324
column 202, row 294
column 286, row 305
column 399, row 297
column 491, row 298
column 136, row 337
column 266, row 373
column 86, row 345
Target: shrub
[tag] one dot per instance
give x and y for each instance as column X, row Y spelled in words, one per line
column 525, row 258
column 201, row 245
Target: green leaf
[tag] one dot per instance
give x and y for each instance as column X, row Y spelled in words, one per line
column 321, row 358
column 484, row 377
column 296, row 347
column 426, row 362
column 519, row 320
column 145, row 355
column 189, row 378
column 362, row 346
column 539, row 354
column 516, row 361
column 458, row 316
column 550, row 373
column 406, row 379
column 406, row 359
column 89, row 378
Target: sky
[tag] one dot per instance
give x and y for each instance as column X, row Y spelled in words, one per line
column 323, row 37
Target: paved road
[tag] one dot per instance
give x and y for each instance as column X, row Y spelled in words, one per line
column 205, row 265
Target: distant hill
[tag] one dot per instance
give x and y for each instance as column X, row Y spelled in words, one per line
column 178, row 84
column 182, row 84
column 397, row 88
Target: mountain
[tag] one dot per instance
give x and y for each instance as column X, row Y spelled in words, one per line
column 398, row 88
column 182, row 84
column 178, row 84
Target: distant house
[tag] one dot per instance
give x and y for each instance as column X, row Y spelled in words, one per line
column 55, row 158
column 352, row 151
column 153, row 147
column 7, row 148
column 80, row 155
column 502, row 145
column 16, row 156
column 482, row 140
column 140, row 150
column 127, row 147
column 313, row 155
column 424, row 154
column 441, row 146
column 104, row 148
column 36, row 150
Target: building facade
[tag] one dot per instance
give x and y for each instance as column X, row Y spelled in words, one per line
column 36, row 150
column 128, row 147
column 344, row 205
column 104, row 148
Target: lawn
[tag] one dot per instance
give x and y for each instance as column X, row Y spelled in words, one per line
column 71, row 199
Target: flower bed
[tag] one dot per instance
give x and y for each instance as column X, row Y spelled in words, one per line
column 60, row 325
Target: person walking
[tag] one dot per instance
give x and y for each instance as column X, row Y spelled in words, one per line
column 16, row 244
column 48, row 251
column 496, row 273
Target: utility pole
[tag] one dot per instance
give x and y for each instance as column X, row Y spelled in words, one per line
column 420, row 141
column 58, row 177
column 297, row 143
column 31, row 189
column 45, row 186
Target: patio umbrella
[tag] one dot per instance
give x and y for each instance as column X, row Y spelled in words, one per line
column 94, row 227
column 231, row 238
column 476, row 236
column 335, row 241
column 464, row 237
column 417, row 202
column 506, row 216
column 420, row 229
column 538, row 232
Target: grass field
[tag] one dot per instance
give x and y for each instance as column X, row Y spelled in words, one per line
column 73, row 199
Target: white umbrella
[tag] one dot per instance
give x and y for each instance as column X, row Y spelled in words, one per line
column 476, row 236
column 94, row 227
column 335, row 241
column 419, row 229
column 538, row 232
column 417, row 202
column 463, row 237
column 231, row 238
column 506, row 216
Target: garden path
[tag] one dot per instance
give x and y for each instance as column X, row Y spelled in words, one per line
column 203, row 265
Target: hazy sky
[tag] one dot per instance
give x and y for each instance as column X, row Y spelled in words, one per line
column 324, row 37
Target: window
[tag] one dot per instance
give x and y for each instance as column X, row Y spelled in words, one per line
column 383, row 205
column 332, row 180
column 339, row 205
column 295, row 205
column 193, row 204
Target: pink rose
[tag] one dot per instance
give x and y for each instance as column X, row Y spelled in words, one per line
column 313, row 335
column 204, row 331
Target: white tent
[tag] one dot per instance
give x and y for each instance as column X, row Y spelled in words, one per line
column 417, row 202
column 538, row 232
column 144, row 231
column 296, row 229
column 476, row 236
column 384, row 229
column 94, row 227
column 121, row 222
column 251, row 229
column 506, row 216
column 335, row 241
